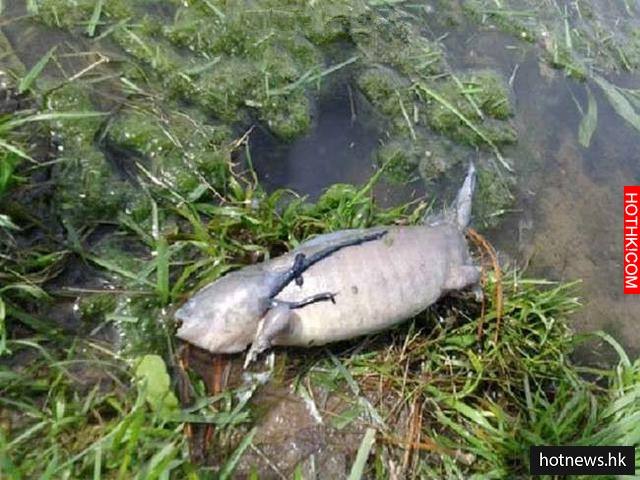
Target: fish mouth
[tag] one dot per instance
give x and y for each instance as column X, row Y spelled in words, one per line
column 182, row 318
column 186, row 331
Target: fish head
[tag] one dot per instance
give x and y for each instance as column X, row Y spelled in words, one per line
column 223, row 316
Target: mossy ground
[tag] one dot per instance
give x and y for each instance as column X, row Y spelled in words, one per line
column 267, row 60
column 151, row 199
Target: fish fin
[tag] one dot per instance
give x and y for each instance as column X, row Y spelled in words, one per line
column 459, row 213
column 275, row 322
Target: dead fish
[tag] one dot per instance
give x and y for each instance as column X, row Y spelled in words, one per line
column 335, row 286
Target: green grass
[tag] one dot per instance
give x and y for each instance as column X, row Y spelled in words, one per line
column 84, row 410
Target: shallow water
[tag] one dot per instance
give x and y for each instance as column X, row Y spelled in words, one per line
column 340, row 148
column 569, row 223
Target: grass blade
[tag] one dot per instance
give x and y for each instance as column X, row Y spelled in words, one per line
column 95, row 18
column 159, row 464
column 364, row 450
column 15, row 150
column 309, row 76
column 589, row 121
column 112, row 267
column 42, row 117
column 442, row 101
column 29, row 78
column 97, row 463
column 230, row 465
column 619, row 102
column 624, row 358
column 162, row 269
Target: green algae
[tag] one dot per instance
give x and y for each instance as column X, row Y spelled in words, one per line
column 397, row 44
column 88, row 188
column 472, row 108
column 94, row 308
column 265, row 59
column 493, row 198
column 178, row 152
column 236, row 85
column 71, row 13
column 75, row 133
column 262, row 51
column 399, row 159
column 389, row 93
column 481, row 98
column 438, row 158
column 150, row 50
column 87, row 191
column 516, row 21
column 288, row 116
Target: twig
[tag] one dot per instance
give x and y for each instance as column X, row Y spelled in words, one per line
column 424, row 445
column 483, row 243
column 100, row 61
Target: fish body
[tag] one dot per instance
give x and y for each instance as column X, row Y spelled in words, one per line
column 377, row 284
column 374, row 278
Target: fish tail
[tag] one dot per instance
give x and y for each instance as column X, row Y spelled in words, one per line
column 462, row 205
column 460, row 212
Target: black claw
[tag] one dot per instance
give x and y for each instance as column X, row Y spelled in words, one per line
column 320, row 297
column 298, row 263
column 298, row 268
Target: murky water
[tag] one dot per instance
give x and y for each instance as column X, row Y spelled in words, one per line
column 569, row 224
column 340, row 148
